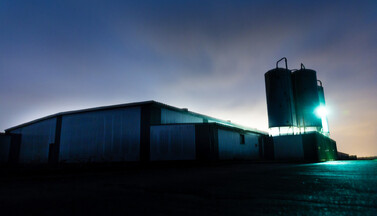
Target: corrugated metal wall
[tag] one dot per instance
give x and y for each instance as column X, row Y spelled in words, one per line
column 172, row 142
column 326, row 148
column 110, row 135
column 230, row 146
column 289, row 147
column 171, row 117
column 35, row 141
column 4, row 147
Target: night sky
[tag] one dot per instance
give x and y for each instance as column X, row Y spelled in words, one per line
column 207, row 56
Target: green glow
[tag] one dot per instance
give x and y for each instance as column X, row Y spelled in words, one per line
column 321, row 111
column 325, row 125
column 335, row 162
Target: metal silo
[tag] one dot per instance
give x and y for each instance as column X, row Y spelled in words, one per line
column 321, row 93
column 322, row 103
column 279, row 92
column 306, row 97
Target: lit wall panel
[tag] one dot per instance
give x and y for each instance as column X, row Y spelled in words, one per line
column 35, row 141
column 110, row 135
column 231, row 145
column 170, row 117
column 173, row 142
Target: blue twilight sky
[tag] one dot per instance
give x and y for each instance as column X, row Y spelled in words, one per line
column 207, row 56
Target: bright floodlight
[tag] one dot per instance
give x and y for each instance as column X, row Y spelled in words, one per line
column 321, row 111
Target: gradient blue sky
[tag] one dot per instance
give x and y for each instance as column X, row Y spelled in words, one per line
column 207, row 56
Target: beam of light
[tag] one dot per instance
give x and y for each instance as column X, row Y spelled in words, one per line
column 322, row 113
column 325, row 126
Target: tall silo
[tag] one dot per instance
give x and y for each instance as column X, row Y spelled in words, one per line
column 279, row 92
column 322, row 112
column 306, row 98
column 321, row 93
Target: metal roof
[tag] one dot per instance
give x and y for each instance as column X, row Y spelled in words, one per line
column 218, row 125
column 143, row 103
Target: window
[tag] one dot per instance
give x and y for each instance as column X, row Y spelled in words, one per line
column 242, row 138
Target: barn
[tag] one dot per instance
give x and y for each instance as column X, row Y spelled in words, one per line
column 143, row 131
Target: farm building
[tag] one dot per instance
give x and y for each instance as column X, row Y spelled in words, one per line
column 153, row 131
column 144, row 131
column 297, row 115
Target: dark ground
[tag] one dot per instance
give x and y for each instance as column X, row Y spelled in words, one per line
column 243, row 188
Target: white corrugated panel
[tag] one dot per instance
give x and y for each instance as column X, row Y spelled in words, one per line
column 230, row 146
column 35, row 141
column 172, row 117
column 108, row 135
column 172, row 142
